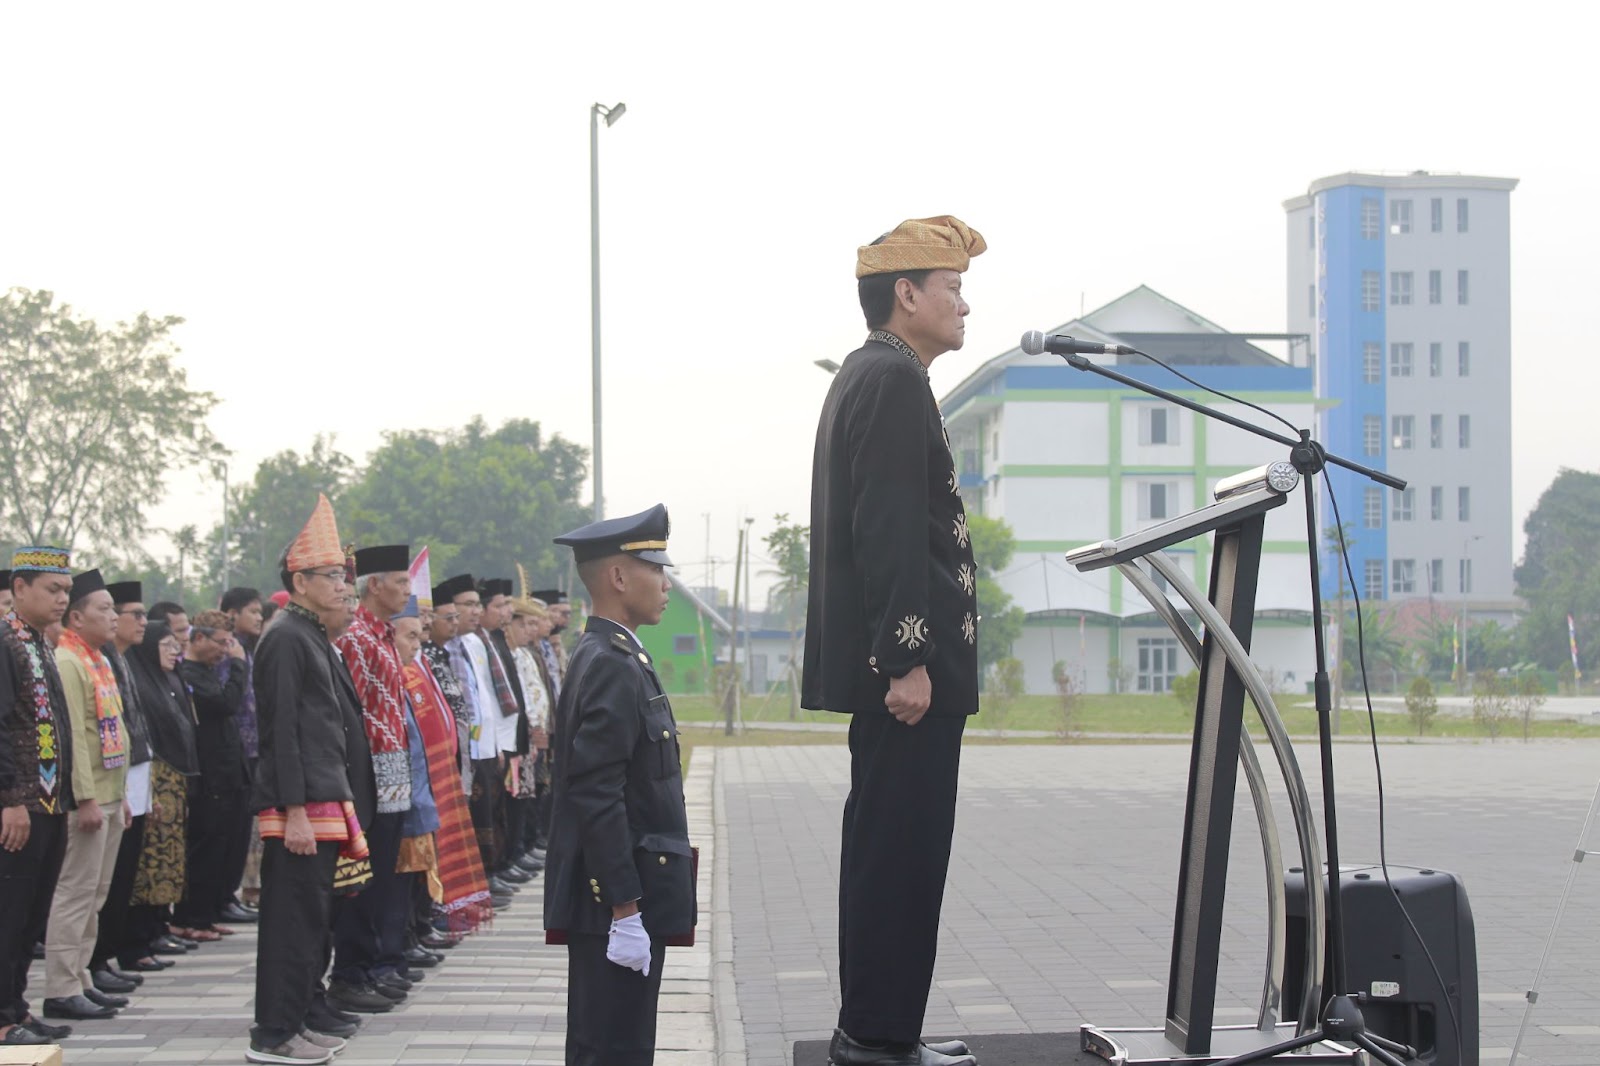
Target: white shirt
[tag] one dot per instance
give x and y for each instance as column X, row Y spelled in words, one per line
column 487, row 743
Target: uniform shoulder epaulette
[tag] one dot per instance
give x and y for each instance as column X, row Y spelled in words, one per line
column 622, row 643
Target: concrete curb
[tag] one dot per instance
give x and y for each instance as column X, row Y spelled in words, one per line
column 726, row 1018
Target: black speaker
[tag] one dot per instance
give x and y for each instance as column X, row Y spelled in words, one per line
column 1402, row 1000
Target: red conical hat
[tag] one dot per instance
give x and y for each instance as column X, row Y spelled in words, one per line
column 318, row 542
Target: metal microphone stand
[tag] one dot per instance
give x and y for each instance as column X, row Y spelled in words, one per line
column 1341, row 1018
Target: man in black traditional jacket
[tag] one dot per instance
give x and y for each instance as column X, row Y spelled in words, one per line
column 619, row 874
column 891, row 633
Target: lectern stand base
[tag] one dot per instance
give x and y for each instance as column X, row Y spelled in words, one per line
column 1150, row 1047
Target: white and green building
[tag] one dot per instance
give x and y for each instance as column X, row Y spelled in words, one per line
column 1068, row 458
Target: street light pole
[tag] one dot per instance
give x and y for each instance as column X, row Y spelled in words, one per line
column 610, row 114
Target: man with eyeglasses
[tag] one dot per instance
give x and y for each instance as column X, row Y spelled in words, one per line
column 441, row 629
column 308, row 790
column 128, row 599
column 219, row 799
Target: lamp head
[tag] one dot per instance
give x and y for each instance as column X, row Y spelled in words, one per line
column 613, row 113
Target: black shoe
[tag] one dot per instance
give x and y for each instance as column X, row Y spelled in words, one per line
column 20, row 1034
column 500, row 902
column 414, row 976
column 421, row 959
column 360, row 999
column 323, row 1011
column 38, row 950
column 499, row 883
column 111, row 984
column 528, row 863
column 79, row 1007
column 57, row 1033
column 955, row 1048
column 843, row 1050
column 438, row 942
column 515, row 876
column 122, row 975
column 239, row 914
column 391, row 980
column 321, row 1018
column 149, row 964
column 99, row 998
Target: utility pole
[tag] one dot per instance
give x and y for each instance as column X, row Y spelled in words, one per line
column 731, row 701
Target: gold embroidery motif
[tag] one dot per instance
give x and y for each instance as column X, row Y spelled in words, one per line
column 913, row 631
column 961, row 530
column 967, row 578
column 955, row 485
column 969, row 628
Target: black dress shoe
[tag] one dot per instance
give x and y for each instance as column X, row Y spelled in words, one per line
column 19, row 1035
column 57, row 1033
column 79, row 1007
column 425, row 960
column 239, row 915
column 391, row 980
column 513, row 876
column 149, row 964
column 165, row 945
column 99, row 998
column 320, row 1008
column 329, row 1027
column 438, row 941
column 844, row 1050
column 122, row 975
column 361, row 999
column 110, row 983
column 948, row 1047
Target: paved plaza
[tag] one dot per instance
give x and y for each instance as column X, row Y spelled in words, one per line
column 1061, row 889
column 1059, row 910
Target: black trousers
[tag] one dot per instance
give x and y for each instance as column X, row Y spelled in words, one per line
column 296, row 894
column 486, row 807
column 611, row 1010
column 115, row 915
column 360, row 925
column 146, row 923
column 898, row 822
column 215, row 847
column 516, row 826
column 27, row 885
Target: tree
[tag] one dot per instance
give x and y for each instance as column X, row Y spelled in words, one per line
column 482, row 500
column 1421, row 704
column 268, row 511
column 1378, row 642
column 993, row 545
column 789, row 544
column 95, row 419
column 1558, row 576
column 1004, row 693
column 1491, row 703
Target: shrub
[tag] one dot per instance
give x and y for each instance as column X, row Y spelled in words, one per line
column 1421, row 704
column 1068, row 696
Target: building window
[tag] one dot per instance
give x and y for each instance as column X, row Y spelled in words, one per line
column 1400, row 360
column 1436, row 577
column 1158, row 664
column 1157, row 499
column 1436, row 215
column 1464, row 504
column 1436, row 431
column 1461, row 286
column 1371, row 298
column 969, row 462
column 1404, row 577
column 1371, row 224
column 1372, row 509
column 1399, row 216
column 1435, row 359
column 1435, row 286
column 1157, row 424
column 1372, row 435
column 1400, row 288
column 1371, row 362
column 1464, row 431
column 1463, row 359
column 685, row 644
column 1404, row 504
column 1436, row 503
column 1466, row 576
column 1372, row 580
column 1461, row 215
column 1403, row 428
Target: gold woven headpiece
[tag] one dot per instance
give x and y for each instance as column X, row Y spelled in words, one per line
column 943, row 242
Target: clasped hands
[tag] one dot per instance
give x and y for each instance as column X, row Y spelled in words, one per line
column 909, row 696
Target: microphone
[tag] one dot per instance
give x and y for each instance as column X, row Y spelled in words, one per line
column 1036, row 343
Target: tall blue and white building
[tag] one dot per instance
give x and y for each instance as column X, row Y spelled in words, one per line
column 1403, row 284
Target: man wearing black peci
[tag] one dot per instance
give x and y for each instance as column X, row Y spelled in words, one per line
column 891, row 634
column 619, row 876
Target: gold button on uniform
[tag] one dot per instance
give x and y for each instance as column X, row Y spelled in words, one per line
column 666, row 734
column 593, row 883
column 662, row 860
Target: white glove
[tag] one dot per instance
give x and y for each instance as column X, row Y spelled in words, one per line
column 629, row 944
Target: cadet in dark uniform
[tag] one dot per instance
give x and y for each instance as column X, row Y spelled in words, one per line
column 618, row 873
column 891, row 634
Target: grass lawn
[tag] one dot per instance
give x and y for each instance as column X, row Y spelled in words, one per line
column 1156, row 717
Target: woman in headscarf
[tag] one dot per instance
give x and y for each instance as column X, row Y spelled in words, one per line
column 170, row 721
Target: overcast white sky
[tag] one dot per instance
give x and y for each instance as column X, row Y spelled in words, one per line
column 390, row 201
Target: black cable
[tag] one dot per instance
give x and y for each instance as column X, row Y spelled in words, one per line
column 1377, row 762
column 1217, row 392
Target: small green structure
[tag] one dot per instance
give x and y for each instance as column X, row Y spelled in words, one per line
column 684, row 644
